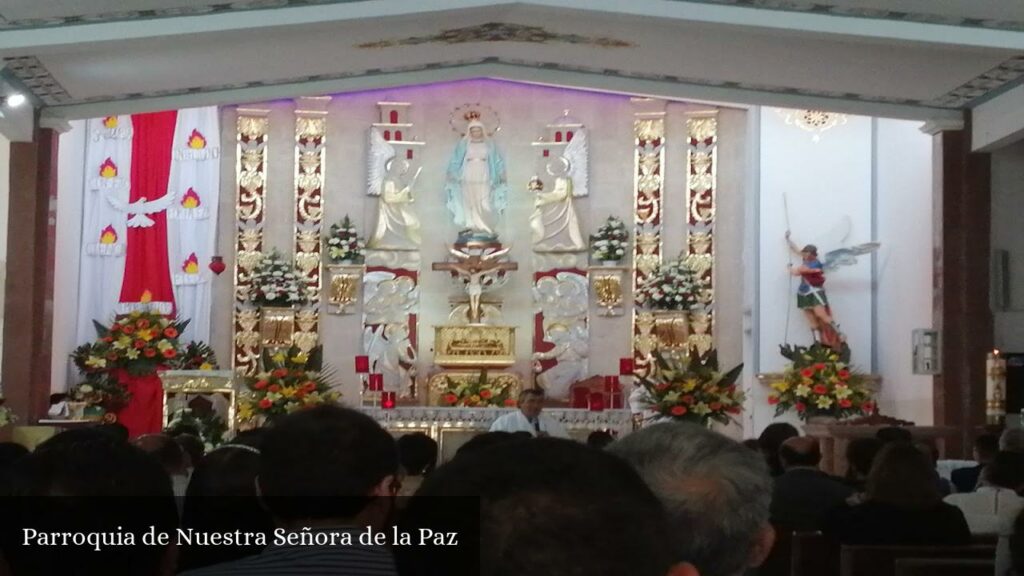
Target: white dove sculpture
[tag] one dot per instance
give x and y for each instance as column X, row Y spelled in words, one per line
column 138, row 211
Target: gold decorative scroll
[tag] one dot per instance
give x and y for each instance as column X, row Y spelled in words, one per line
column 701, row 183
column 251, row 178
column 310, row 148
column 648, row 185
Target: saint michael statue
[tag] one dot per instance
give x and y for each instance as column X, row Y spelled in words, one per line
column 476, row 190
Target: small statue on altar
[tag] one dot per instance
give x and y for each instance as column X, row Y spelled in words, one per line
column 554, row 223
column 571, row 350
column 476, row 191
column 398, row 227
column 810, row 295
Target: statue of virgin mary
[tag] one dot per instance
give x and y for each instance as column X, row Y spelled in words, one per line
column 476, row 190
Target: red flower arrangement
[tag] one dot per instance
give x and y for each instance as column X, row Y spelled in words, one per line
column 139, row 343
column 479, row 392
column 819, row 382
column 691, row 387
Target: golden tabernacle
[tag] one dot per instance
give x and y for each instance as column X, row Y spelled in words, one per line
column 475, row 345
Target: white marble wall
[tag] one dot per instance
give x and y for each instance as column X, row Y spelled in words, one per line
column 524, row 110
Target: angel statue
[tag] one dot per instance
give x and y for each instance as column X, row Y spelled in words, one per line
column 810, row 295
column 476, row 190
column 554, row 223
column 571, row 350
column 397, row 228
column 392, row 354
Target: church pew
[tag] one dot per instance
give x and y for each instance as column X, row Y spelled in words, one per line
column 881, row 560
column 811, row 555
column 944, row 567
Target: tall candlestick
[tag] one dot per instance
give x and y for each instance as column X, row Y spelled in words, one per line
column 596, row 402
column 387, row 400
column 376, row 382
column 995, row 388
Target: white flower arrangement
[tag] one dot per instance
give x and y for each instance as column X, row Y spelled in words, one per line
column 274, row 282
column 344, row 244
column 673, row 286
column 611, row 241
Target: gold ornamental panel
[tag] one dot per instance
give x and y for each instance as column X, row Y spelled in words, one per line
column 648, row 202
column 672, row 329
column 310, row 151
column 252, row 127
column 701, row 190
column 608, row 291
column 344, row 286
column 474, row 345
column 277, row 325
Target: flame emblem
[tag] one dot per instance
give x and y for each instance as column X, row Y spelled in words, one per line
column 108, row 235
column 110, row 122
column 108, row 169
column 190, row 199
column 191, row 265
column 146, row 297
column 196, row 141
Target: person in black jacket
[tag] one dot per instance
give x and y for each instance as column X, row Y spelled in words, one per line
column 803, row 493
column 986, row 446
column 903, row 506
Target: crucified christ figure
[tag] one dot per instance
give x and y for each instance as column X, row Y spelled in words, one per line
column 474, row 267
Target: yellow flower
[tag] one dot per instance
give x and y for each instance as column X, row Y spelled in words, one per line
column 824, row 402
column 145, row 335
column 96, row 362
column 245, row 411
column 842, row 391
column 279, row 357
column 122, row 342
column 300, row 358
column 135, row 314
column 690, row 384
column 780, row 386
column 287, row 391
column 803, row 390
column 206, row 366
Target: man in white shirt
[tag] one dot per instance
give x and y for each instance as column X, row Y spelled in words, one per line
column 529, row 418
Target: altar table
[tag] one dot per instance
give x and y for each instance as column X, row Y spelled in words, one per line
column 453, row 427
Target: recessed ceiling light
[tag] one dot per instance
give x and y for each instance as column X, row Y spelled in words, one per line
column 15, row 100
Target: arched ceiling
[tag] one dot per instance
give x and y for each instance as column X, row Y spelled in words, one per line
column 904, row 58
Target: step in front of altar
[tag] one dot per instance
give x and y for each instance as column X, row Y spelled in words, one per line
column 452, row 427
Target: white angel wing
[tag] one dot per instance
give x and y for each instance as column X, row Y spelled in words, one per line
column 374, row 343
column 848, row 256
column 377, row 156
column 579, row 163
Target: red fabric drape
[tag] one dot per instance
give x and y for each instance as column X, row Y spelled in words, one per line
column 144, row 412
column 146, row 266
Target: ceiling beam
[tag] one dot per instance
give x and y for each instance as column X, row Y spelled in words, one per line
column 502, row 71
column 60, row 38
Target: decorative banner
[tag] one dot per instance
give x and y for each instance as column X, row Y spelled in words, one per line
column 701, row 184
column 192, row 217
column 252, row 137
column 310, row 148
column 147, row 277
column 108, row 164
column 648, row 180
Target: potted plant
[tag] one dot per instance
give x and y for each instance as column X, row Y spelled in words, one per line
column 820, row 384
column 690, row 386
column 609, row 244
column 344, row 246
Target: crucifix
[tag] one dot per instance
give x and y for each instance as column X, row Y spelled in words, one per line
column 473, row 268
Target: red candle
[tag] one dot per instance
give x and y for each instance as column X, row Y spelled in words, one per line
column 376, row 382
column 387, row 400
column 616, row 401
column 580, row 397
column 362, row 364
column 626, row 366
column 611, row 384
column 596, row 402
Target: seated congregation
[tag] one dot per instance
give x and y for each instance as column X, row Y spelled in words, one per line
column 671, row 499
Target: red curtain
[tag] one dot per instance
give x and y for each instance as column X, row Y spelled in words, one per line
column 147, row 276
column 144, row 413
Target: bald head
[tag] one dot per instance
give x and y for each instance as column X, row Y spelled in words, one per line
column 800, row 451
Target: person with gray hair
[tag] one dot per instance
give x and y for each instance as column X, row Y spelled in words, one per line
column 1012, row 440
column 716, row 491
